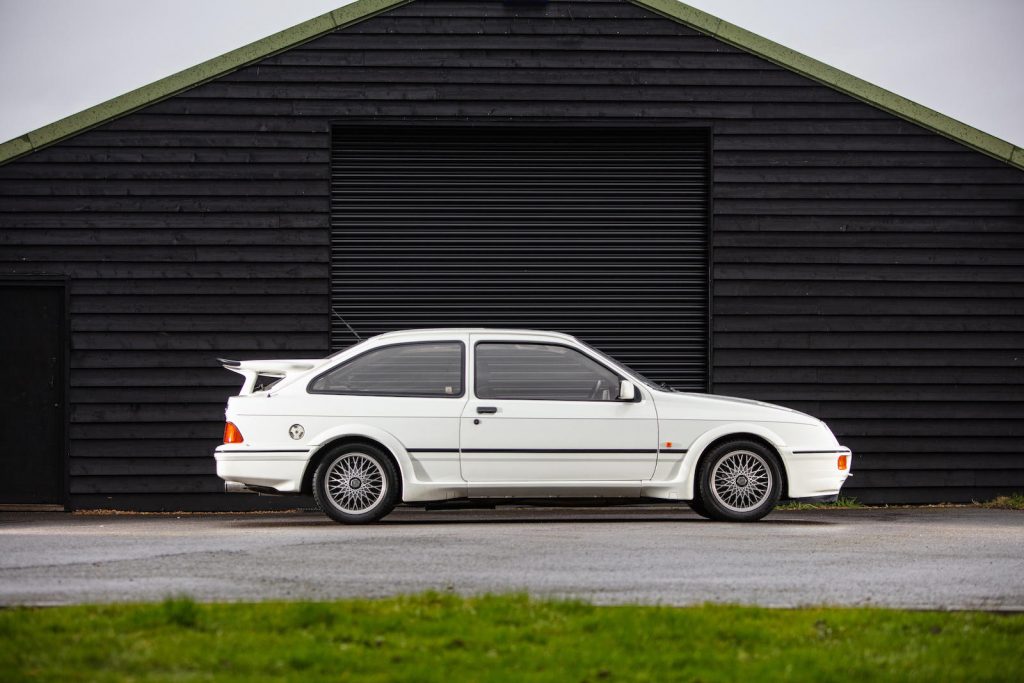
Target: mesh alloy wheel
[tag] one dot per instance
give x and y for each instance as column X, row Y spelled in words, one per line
column 739, row 481
column 356, row 484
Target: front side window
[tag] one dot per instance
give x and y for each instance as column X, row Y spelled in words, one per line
column 420, row 369
column 541, row 371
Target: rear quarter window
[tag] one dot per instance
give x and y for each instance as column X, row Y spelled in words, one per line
column 427, row 369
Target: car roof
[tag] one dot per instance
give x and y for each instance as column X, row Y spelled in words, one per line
column 441, row 331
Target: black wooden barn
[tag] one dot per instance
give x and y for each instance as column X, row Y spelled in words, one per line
column 716, row 210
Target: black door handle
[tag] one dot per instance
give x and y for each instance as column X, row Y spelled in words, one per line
column 486, row 410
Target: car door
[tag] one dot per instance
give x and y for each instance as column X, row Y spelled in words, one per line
column 546, row 411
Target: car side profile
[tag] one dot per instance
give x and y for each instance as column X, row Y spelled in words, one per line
column 464, row 416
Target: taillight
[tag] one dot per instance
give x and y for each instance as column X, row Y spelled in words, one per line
column 842, row 459
column 231, row 433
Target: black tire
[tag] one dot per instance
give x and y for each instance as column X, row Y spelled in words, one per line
column 356, row 484
column 697, row 505
column 739, row 481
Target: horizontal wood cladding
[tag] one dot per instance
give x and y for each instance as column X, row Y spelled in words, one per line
column 864, row 270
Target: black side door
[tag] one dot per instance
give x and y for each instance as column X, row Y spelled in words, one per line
column 32, row 343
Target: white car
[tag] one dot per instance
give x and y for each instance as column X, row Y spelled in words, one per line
column 496, row 416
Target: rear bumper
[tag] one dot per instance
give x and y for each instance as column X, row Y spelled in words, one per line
column 815, row 474
column 279, row 470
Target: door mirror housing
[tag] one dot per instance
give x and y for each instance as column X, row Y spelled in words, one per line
column 627, row 392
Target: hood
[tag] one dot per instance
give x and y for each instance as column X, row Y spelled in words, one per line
column 715, row 407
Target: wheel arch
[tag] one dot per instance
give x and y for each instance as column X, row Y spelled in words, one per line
column 756, row 439
column 712, row 439
column 352, row 437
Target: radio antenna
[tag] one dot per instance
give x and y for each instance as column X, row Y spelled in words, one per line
column 345, row 322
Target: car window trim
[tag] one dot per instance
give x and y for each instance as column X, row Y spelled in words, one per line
column 462, row 371
column 619, row 375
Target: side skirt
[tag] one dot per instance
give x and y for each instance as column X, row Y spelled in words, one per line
column 492, row 503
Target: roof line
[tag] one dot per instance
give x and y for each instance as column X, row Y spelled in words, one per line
column 193, row 76
column 364, row 9
column 840, row 80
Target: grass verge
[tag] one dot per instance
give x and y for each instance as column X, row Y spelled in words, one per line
column 843, row 503
column 1012, row 502
column 435, row 637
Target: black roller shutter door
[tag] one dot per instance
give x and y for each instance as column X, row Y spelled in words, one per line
column 600, row 233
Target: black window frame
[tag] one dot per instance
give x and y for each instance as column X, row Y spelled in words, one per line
column 462, row 372
column 638, row 396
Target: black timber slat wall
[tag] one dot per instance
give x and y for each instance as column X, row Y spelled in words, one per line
column 864, row 269
column 600, row 233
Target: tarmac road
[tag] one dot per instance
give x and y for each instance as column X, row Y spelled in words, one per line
column 934, row 558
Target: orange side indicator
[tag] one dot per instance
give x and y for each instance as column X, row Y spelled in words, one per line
column 842, row 462
column 231, row 433
column 668, row 444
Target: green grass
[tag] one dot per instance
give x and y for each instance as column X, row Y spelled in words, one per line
column 1012, row 502
column 843, row 503
column 445, row 638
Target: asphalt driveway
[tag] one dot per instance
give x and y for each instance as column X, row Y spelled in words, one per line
column 944, row 558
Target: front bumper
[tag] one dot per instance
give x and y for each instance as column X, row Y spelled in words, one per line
column 814, row 474
column 279, row 470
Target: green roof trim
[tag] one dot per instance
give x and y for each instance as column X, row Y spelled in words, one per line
column 839, row 80
column 364, row 9
column 193, row 76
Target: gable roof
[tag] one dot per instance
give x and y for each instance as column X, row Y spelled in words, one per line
column 364, row 9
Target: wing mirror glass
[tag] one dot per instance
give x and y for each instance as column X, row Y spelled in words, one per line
column 627, row 392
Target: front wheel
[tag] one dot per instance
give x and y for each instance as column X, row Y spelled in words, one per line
column 697, row 505
column 739, row 481
column 356, row 484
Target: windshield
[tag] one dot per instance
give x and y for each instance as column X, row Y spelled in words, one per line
column 604, row 356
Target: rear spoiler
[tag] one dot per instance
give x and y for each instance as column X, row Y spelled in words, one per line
column 252, row 369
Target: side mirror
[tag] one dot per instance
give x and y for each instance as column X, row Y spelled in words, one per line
column 627, row 392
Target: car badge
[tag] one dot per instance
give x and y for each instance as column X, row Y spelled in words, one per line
column 296, row 432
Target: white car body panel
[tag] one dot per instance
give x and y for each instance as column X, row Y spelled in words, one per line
column 527, row 449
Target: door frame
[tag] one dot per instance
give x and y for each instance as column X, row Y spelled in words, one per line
column 57, row 281
column 611, row 487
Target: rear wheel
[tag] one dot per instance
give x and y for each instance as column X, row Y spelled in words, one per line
column 739, row 481
column 356, row 484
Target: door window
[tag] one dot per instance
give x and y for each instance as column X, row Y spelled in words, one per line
column 418, row 369
column 541, row 372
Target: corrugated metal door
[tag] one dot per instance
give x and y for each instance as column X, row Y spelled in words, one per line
column 601, row 233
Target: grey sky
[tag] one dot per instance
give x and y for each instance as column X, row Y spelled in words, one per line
column 58, row 57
